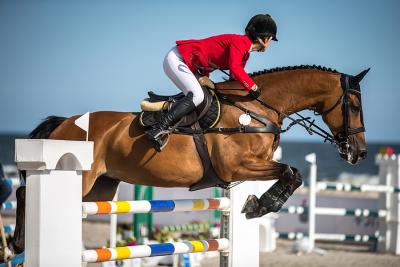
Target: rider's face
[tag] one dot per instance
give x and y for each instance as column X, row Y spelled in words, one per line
column 261, row 44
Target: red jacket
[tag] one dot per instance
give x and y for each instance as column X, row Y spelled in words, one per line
column 226, row 51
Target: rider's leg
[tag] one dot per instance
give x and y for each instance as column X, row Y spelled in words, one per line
column 184, row 79
column 181, row 108
column 180, row 74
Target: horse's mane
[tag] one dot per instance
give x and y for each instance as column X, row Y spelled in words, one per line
column 299, row 67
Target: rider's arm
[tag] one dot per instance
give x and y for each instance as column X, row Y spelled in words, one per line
column 236, row 65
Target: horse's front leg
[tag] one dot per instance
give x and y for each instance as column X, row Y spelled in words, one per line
column 289, row 179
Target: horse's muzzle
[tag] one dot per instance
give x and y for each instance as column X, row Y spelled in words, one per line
column 352, row 151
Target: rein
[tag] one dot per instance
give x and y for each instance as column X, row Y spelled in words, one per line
column 311, row 128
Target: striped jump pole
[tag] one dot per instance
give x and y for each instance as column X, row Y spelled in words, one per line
column 147, row 206
column 141, row 251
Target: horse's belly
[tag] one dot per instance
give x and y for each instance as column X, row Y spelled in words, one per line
column 137, row 162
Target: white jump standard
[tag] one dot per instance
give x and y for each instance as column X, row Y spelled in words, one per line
column 53, row 229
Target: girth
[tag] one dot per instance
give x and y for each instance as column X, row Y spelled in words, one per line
column 210, row 177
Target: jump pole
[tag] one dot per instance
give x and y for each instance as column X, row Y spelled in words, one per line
column 54, row 206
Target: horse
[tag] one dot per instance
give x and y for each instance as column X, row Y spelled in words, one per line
column 122, row 153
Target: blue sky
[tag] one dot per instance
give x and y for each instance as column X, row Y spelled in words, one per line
column 69, row 57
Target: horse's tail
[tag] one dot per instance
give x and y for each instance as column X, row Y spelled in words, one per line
column 46, row 127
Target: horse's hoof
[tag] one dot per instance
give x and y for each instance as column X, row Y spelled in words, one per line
column 251, row 205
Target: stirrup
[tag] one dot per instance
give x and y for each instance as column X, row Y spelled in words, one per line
column 159, row 144
column 157, row 140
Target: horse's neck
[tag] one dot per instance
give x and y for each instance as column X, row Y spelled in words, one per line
column 292, row 91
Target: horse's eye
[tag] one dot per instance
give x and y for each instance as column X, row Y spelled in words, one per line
column 354, row 109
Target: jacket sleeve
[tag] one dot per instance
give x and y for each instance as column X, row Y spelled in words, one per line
column 236, row 65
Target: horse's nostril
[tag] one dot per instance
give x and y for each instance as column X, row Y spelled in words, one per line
column 363, row 154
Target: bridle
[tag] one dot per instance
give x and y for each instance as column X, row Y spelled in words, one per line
column 341, row 139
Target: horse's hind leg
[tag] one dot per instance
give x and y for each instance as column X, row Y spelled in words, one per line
column 18, row 242
column 274, row 198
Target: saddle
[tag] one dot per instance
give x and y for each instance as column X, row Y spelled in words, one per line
column 205, row 116
column 207, row 113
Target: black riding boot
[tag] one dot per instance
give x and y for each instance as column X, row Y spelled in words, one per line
column 183, row 107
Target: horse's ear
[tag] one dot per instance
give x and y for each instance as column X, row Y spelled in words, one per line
column 361, row 75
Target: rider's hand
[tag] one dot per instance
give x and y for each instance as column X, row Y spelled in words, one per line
column 255, row 91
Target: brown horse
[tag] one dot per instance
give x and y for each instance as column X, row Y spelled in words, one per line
column 122, row 153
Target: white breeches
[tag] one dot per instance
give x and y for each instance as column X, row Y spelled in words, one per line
column 180, row 74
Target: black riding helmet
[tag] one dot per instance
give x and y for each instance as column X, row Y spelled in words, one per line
column 261, row 26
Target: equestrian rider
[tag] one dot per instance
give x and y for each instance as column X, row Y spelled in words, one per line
column 191, row 59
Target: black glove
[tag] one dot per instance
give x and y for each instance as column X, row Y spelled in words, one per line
column 255, row 93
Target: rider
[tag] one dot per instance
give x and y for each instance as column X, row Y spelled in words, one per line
column 191, row 59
